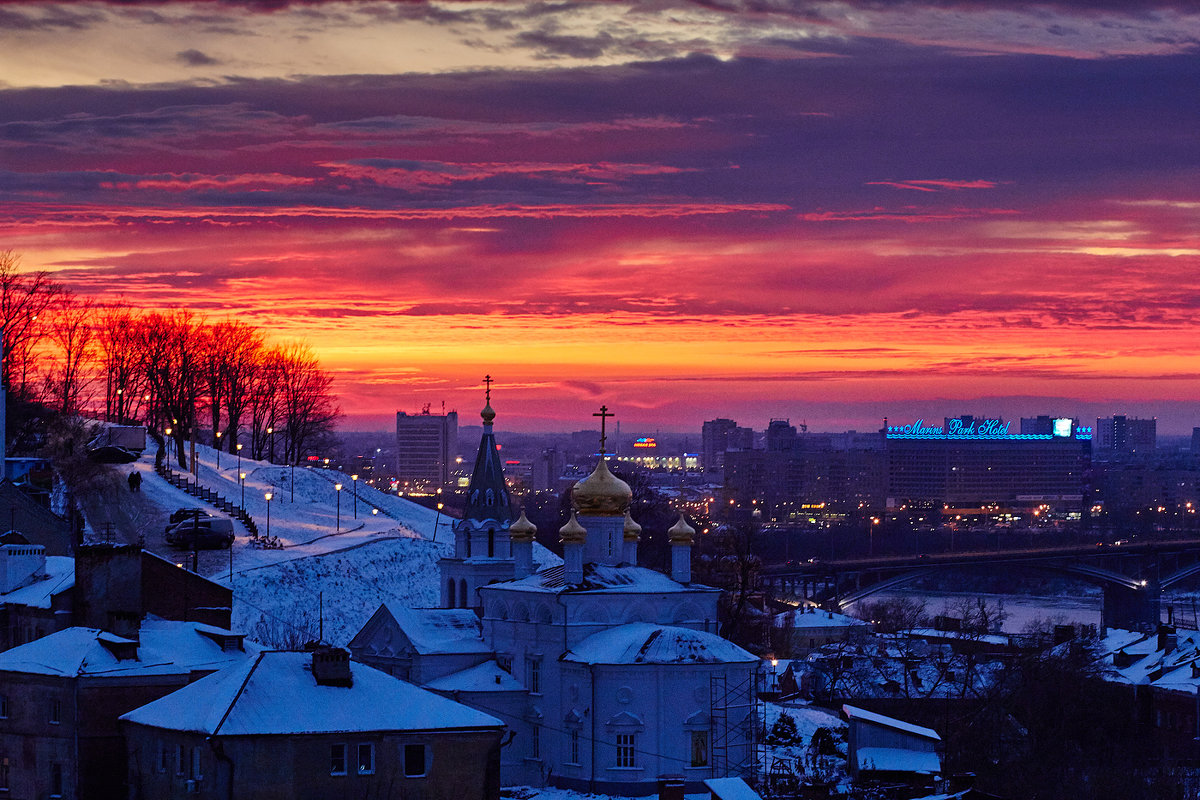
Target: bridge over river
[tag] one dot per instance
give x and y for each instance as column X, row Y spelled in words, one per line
column 1133, row 575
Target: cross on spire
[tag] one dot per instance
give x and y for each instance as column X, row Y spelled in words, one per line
column 487, row 379
column 603, row 415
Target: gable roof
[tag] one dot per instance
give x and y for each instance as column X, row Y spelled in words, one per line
column 439, row 630
column 624, row 578
column 485, row 677
column 276, row 694
column 646, row 643
column 164, row 647
column 59, row 577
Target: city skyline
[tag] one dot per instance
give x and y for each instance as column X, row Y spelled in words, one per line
column 828, row 212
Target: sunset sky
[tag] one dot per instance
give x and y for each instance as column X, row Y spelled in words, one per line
column 824, row 211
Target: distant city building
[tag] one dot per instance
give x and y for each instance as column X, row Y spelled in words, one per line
column 425, row 448
column 1196, row 440
column 781, row 436
column 970, row 463
column 717, row 437
column 1126, row 435
column 548, row 467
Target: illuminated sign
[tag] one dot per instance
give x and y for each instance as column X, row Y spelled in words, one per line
column 645, row 442
column 966, row 429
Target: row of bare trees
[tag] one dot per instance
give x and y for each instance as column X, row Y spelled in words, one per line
column 180, row 374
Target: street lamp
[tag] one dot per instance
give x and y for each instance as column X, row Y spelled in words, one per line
column 242, row 480
column 239, row 451
column 437, row 521
column 271, row 433
column 218, row 449
column 354, row 478
column 268, row 495
column 337, row 487
column 168, row 433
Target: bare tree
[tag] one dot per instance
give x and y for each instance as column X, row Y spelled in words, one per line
column 24, row 297
column 169, row 358
column 124, row 381
column 307, row 408
column 73, row 334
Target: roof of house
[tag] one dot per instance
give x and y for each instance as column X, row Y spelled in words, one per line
column 601, row 578
column 39, row 592
column 485, row 677
column 731, row 789
column 854, row 713
column 163, row 647
column 276, row 693
column 439, row 630
column 1137, row 658
column 815, row 618
column 647, row 643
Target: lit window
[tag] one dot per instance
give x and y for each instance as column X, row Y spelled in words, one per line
column 414, row 760
column 337, row 759
column 366, row 759
column 626, row 752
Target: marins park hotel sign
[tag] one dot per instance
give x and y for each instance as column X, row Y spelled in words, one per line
column 971, row 428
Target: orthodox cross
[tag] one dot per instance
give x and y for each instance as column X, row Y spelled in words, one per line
column 488, row 380
column 603, row 415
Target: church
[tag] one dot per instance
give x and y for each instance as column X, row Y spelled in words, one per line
column 608, row 674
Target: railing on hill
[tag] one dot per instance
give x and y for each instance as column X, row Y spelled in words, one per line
column 207, row 495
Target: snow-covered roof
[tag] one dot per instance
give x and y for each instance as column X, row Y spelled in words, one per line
column 164, row 647
column 601, row 578
column 646, row 643
column 856, row 713
column 1137, row 658
column 895, row 759
column 731, row 789
column 276, row 693
column 439, row 630
column 59, row 577
column 815, row 618
column 485, row 677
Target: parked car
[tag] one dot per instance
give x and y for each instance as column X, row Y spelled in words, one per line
column 188, row 513
column 206, row 533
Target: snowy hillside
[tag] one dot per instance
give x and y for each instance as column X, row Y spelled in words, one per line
column 336, row 564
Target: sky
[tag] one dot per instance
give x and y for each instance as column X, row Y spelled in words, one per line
column 829, row 212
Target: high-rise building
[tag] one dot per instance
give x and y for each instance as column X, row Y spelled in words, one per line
column 1196, row 440
column 425, row 448
column 714, row 439
column 1126, row 435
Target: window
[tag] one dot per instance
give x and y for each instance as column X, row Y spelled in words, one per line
column 533, row 671
column 626, row 752
column 535, row 742
column 414, row 760
column 55, row 711
column 4, row 787
column 164, row 757
column 699, row 749
column 3, row 706
column 56, row 780
column 575, row 747
column 366, row 759
column 179, row 760
column 504, row 661
column 337, row 759
column 194, row 771
column 491, row 539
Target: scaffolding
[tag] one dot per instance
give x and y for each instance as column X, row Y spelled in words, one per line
column 736, row 717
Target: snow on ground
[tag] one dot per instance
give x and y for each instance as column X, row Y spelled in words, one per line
column 547, row 793
column 336, row 564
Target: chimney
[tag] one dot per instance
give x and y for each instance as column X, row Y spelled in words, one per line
column 573, row 537
column 1166, row 638
column 331, row 667
column 681, row 535
column 521, row 534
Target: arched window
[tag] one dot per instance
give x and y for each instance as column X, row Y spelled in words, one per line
column 450, row 594
column 491, row 498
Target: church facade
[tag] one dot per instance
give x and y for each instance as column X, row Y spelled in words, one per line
column 608, row 674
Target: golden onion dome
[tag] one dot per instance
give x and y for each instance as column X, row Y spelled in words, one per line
column 488, row 414
column 632, row 529
column 572, row 532
column 681, row 532
column 601, row 494
column 522, row 530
